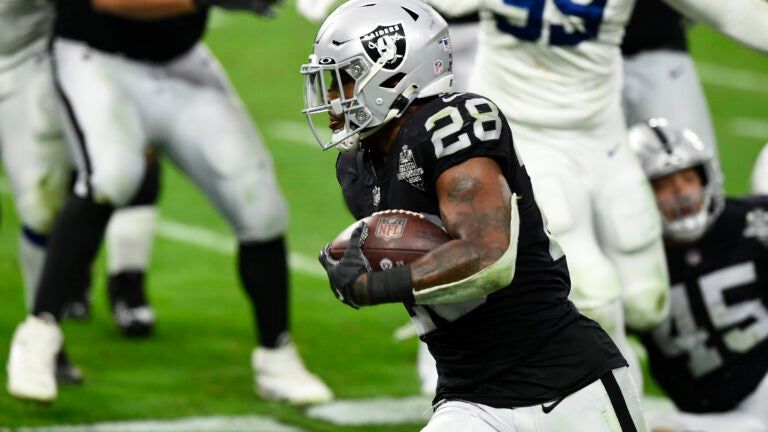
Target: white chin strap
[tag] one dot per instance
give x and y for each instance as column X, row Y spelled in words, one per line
column 350, row 144
column 687, row 229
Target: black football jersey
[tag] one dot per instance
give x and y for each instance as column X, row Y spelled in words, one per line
column 712, row 351
column 524, row 344
column 654, row 25
column 158, row 40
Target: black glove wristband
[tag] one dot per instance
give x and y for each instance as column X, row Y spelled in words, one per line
column 391, row 286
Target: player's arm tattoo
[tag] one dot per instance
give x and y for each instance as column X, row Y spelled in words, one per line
column 475, row 208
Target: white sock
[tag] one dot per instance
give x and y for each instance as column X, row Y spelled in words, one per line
column 129, row 238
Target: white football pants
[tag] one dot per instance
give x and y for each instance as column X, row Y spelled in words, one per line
column 118, row 106
column 599, row 407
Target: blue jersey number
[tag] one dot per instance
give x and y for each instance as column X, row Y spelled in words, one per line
column 590, row 15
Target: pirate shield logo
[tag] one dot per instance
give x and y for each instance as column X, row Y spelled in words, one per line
column 387, row 42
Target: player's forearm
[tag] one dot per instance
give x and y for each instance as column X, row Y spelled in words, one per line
column 145, row 9
column 453, row 261
column 448, row 274
column 745, row 21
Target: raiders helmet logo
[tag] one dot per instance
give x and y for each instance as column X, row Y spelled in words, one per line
column 387, row 42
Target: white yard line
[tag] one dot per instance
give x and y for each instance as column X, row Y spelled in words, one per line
column 225, row 244
column 197, row 424
column 204, row 238
column 733, row 78
column 293, row 131
column 378, row 411
column 744, row 127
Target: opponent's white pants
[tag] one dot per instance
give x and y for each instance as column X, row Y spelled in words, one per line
column 117, row 107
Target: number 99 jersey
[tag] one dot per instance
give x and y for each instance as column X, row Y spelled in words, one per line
column 552, row 63
column 712, row 351
column 486, row 348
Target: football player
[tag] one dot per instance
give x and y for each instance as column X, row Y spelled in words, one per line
column 710, row 355
column 463, row 31
column 512, row 351
column 39, row 167
column 130, row 73
column 556, row 71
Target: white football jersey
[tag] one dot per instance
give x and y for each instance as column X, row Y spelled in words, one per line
column 23, row 23
column 552, row 63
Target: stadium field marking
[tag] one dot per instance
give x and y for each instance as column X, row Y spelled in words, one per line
column 190, row 424
column 378, row 411
column 733, row 78
column 225, row 244
column 293, row 131
column 204, row 238
column 745, row 127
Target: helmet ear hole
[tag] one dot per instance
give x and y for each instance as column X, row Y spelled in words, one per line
column 392, row 81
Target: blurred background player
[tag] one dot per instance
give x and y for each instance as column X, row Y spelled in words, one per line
column 40, row 168
column 710, row 356
column 556, row 72
column 130, row 73
column 660, row 78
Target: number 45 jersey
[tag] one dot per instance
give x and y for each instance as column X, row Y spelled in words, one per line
column 712, row 351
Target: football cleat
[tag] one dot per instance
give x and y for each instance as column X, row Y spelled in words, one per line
column 79, row 310
column 130, row 309
column 32, row 360
column 280, row 375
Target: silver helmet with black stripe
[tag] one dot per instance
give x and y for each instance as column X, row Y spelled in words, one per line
column 395, row 51
column 665, row 148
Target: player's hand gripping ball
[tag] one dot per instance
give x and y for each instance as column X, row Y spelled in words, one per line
column 395, row 237
column 378, row 242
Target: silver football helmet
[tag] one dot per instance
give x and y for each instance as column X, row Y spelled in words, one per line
column 396, row 51
column 665, row 148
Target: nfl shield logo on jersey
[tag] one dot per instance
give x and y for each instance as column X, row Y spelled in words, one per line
column 390, row 227
column 388, row 42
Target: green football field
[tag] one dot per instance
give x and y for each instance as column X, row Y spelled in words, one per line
column 197, row 363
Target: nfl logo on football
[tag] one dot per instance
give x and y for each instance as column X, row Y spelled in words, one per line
column 390, row 227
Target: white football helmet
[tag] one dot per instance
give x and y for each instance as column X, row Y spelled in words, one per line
column 395, row 51
column 665, row 148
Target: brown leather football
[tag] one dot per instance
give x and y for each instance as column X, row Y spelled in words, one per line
column 395, row 237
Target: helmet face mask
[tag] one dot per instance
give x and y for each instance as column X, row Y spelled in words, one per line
column 664, row 150
column 684, row 216
column 395, row 52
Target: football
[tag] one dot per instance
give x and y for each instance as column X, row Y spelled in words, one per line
column 395, row 237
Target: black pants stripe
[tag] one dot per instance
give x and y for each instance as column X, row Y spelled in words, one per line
column 618, row 402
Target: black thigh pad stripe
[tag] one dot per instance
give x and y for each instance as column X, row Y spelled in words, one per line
column 618, row 402
column 70, row 113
